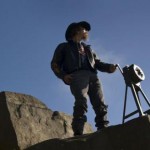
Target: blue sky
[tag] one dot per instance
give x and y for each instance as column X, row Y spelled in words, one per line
column 30, row 30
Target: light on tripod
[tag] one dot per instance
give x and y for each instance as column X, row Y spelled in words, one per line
column 136, row 73
column 133, row 74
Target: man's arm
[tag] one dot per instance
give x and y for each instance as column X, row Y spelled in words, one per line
column 102, row 66
column 57, row 61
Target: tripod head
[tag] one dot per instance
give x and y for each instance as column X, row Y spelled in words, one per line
column 132, row 74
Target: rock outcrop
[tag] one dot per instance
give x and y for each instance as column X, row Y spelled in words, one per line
column 27, row 124
column 133, row 135
column 26, row 121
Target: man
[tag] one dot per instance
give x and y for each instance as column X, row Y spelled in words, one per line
column 76, row 64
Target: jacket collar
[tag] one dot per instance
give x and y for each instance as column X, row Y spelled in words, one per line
column 75, row 43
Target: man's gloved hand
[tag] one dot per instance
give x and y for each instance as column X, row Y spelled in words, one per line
column 112, row 68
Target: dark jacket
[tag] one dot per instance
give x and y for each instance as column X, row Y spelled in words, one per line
column 66, row 60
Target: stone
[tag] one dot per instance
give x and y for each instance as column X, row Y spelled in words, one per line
column 26, row 121
column 132, row 135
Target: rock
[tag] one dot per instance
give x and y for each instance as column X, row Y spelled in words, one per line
column 133, row 135
column 26, row 121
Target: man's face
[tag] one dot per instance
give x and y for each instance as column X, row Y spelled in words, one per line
column 83, row 34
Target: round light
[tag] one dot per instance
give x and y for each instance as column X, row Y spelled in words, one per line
column 136, row 73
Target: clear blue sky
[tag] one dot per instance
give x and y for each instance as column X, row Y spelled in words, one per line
column 30, row 30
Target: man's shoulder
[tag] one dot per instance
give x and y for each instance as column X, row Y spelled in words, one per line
column 63, row 44
column 60, row 46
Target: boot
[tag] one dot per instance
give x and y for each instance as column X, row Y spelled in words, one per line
column 78, row 125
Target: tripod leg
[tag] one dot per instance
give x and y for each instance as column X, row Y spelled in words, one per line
column 138, row 97
column 134, row 92
column 144, row 96
column 125, row 102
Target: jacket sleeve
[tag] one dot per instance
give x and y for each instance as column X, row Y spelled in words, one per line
column 57, row 61
column 101, row 66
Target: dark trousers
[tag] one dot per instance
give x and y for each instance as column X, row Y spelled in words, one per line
column 86, row 84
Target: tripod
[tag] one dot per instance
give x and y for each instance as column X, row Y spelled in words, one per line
column 133, row 75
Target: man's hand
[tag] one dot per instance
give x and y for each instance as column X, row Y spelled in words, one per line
column 112, row 68
column 68, row 79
